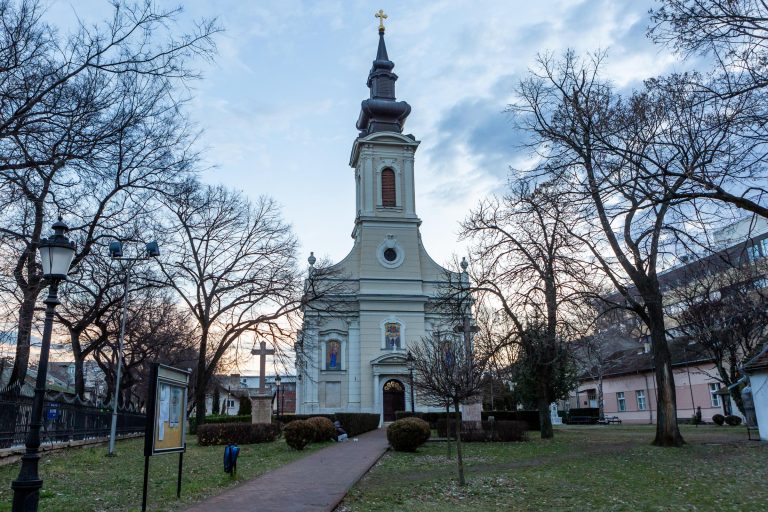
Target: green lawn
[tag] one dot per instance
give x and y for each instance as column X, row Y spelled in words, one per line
column 84, row 480
column 582, row 469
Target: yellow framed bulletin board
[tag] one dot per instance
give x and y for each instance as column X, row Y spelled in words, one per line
column 166, row 432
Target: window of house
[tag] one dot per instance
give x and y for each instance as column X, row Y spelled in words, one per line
column 230, row 404
column 753, row 252
column 333, row 356
column 622, row 403
column 388, row 193
column 640, row 395
column 713, row 396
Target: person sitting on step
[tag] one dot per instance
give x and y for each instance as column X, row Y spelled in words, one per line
column 341, row 434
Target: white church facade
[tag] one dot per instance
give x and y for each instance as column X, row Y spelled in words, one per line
column 355, row 360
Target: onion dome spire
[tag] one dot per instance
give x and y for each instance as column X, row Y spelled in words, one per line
column 382, row 112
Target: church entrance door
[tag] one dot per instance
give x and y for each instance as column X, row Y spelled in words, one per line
column 394, row 399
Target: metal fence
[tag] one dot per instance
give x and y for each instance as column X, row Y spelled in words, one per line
column 64, row 419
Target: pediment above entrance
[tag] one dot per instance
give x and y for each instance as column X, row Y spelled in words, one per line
column 391, row 359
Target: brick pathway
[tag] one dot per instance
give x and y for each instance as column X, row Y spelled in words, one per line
column 318, row 482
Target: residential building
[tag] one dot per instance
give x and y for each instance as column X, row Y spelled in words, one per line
column 697, row 291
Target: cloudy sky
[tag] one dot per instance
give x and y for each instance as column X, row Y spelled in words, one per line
column 279, row 104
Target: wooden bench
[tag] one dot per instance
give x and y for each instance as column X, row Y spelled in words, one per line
column 608, row 420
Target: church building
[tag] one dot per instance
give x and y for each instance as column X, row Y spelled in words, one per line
column 355, row 359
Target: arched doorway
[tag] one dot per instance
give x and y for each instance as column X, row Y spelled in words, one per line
column 394, row 399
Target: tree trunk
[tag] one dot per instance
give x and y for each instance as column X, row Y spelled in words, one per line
column 667, row 430
column 600, row 402
column 77, row 355
column 459, row 458
column 201, row 382
column 545, row 419
column 448, row 428
column 23, row 335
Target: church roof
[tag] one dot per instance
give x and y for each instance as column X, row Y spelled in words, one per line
column 759, row 363
column 382, row 112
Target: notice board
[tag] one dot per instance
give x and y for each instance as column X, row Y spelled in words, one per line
column 166, row 410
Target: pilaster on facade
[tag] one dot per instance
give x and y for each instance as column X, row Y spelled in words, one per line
column 354, row 365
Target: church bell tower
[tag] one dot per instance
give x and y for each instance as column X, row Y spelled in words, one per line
column 382, row 156
column 355, row 358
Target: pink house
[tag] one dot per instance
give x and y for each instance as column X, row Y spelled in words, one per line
column 629, row 385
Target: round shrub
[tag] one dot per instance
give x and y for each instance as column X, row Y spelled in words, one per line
column 733, row 420
column 323, row 429
column 408, row 434
column 298, row 434
column 718, row 419
column 237, row 433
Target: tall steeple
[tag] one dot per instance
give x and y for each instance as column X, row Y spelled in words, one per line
column 382, row 112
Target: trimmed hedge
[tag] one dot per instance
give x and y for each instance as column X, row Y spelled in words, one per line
column 442, row 427
column 489, row 431
column 323, row 429
column 407, row 434
column 733, row 420
column 508, row 431
column 237, row 433
column 494, row 431
column 430, row 417
column 354, row 423
column 719, row 419
column 215, row 418
column 298, row 434
column 287, row 418
column 531, row 418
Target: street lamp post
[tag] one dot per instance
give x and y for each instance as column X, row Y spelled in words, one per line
column 410, row 361
column 116, row 253
column 56, row 253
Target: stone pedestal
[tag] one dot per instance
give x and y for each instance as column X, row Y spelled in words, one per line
column 472, row 413
column 553, row 416
column 261, row 409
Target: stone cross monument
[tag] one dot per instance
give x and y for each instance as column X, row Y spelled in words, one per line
column 261, row 403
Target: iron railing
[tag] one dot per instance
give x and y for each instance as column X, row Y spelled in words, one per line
column 64, row 419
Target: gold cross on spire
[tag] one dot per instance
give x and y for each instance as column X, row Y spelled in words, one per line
column 381, row 17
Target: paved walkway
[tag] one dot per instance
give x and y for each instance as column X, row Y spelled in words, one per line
column 317, row 482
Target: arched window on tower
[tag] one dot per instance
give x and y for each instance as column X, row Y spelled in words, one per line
column 388, row 194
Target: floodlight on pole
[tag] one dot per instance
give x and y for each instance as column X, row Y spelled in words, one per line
column 116, row 253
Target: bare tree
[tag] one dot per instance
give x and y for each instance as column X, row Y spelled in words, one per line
column 90, row 124
column 728, row 101
column 603, row 150
column 233, row 266
column 723, row 306
column 735, row 33
column 156, row 330
column 448, row 371
column 527, row 267
column 602, row 351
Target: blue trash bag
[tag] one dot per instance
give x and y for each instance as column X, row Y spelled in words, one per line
column 231, row 451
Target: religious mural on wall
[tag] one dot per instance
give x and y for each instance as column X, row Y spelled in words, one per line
column 392, row 334
column 333, row 356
